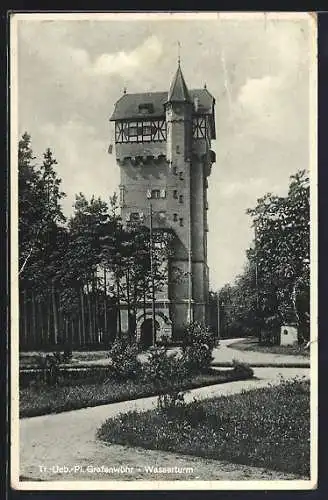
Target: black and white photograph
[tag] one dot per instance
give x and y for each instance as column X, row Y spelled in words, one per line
column 163, row 251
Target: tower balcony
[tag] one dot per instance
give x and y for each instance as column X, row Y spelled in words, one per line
column 140, row 152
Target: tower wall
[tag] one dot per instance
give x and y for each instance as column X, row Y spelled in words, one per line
column 177, row 167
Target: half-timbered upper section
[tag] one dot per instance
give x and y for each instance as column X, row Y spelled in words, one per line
column 141, row 117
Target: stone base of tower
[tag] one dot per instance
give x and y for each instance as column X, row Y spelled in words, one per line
column 171, row 320
column 200, row 313
column 144, row 322
column 182, row 315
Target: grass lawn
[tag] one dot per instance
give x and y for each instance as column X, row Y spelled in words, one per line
column 252, row 344
column 268, row 427
column 40, row 399
column 30, row 358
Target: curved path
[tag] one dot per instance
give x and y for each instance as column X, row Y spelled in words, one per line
column 226, row 353
column 68, row 440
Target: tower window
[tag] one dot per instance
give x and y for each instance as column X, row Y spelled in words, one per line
column 122, row 196
column 155, row 194
column 181, row 198
column 177, row 148
column 175, row 217
column 146, row 131
column 181, row 176
column 140, row 131
column 199, row 128
column 134, row 217
column 146, row 107
column 181, row 221
column 175, row 194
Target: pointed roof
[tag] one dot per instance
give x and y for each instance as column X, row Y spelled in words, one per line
column 178, row 91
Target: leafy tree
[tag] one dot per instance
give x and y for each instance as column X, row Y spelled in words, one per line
column 282, row 251
column 274, row 288
column 40, row 216
column 39, row 203
column 81, row 277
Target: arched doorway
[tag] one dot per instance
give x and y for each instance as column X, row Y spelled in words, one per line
column 146, row 332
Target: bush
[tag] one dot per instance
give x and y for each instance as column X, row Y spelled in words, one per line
column 242, row 370
column 197, row 348
column 50, row 366
column 124, row 359
column 167, row 372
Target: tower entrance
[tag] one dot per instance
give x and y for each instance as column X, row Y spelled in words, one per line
column 146, row 332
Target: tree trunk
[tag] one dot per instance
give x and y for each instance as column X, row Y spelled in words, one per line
column 25, row 318
column 119, row 323
column 294, row 298
column 48, row 319
column 72, row 333
column 66, row 331
column 41, row 323
column 89, row 313
column 94, row 309
column 105, row 307
column 55, row 313
column 79, row 330
column 134, row 309
column 82, row 315
column 128, row 300
column 34, row 325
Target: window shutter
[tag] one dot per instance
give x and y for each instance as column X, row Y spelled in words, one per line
column 163, row 193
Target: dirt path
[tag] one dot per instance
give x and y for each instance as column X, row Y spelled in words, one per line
column 49, row 443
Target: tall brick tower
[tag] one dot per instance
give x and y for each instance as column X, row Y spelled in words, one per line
column 163, row 149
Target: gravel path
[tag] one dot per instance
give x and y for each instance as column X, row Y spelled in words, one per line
column 51, row 442
column 225, row 353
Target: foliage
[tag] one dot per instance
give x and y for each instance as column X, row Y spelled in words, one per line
column 40, row 212
column 168, row 372
column 75, row 275
column 124, row 359
column 261, row 427
column 197, row 348
column 274, row 288
column 242, row 369
column 51, row 364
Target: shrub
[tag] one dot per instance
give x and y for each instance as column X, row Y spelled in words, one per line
column 124, row 359
column 197, row 348
column 167, row 372
column 242, row 370
column 50, row 364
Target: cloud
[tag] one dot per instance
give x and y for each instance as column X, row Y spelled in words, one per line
column 256, row 94
column 125, row 63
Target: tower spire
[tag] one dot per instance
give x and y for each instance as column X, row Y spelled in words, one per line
column 178, row 91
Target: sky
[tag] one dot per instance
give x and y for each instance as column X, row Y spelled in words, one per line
column 71, row 71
